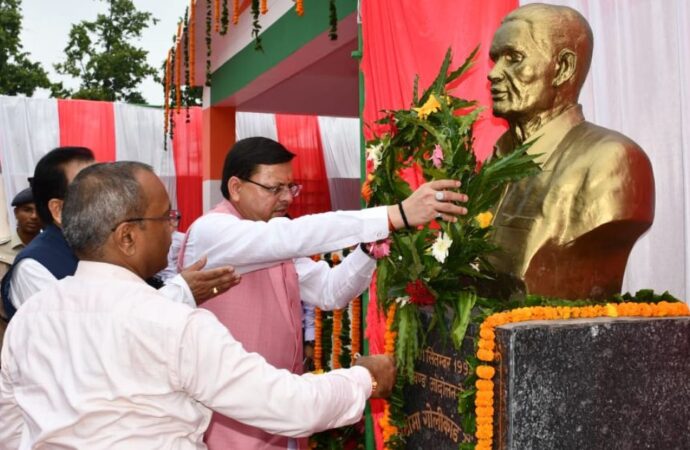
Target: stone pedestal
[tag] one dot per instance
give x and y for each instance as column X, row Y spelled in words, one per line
column 620, row 383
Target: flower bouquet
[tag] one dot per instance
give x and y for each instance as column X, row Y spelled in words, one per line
column 422, row 267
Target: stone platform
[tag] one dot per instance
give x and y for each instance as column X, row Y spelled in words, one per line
column 620, row 383
column 582, row 384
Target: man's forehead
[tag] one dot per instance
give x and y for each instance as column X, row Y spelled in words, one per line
column 519, row 34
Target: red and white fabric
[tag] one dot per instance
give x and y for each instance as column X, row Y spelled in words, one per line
column 29, row 128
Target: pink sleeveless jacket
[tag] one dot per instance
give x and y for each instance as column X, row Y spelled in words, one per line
column 264, row 313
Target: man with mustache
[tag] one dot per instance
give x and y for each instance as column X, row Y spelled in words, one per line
column 250, row 231
column 568, row 231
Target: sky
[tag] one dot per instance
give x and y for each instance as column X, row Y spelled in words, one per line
column 47, row 23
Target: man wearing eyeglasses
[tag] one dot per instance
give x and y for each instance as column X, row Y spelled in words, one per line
column 250, row 231
column 49, row 258
column 100, row 360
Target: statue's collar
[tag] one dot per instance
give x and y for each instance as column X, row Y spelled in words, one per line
column 547, row 138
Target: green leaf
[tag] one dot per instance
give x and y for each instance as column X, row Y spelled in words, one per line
column 463, row 311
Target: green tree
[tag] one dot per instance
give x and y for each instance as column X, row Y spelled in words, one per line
column 18, row 75
column 103, row 56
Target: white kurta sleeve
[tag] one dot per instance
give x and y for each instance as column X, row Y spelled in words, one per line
column 28, row 277
column 250, row 245
column 333, row 288
column 216, row 370
column 177, row 290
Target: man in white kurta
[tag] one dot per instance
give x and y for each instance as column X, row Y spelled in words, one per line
column 102, row 360
column 250, row 231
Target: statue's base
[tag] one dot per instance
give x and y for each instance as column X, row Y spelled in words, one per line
column 605, row 383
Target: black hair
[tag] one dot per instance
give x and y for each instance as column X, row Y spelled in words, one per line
column 49, row 180
column 246, row 154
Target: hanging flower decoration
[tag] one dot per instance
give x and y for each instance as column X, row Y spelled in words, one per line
column 299, row 7
column 333, row 20
column 224, row 19
column 209, row 21
column 235, row 12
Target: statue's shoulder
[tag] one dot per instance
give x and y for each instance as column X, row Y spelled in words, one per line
column 605, row 142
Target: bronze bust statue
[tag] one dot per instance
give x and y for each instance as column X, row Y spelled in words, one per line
column 568, row 231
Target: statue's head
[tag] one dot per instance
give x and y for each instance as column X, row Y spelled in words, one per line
column 542, row 55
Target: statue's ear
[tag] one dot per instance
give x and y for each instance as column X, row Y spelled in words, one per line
column 565, row 68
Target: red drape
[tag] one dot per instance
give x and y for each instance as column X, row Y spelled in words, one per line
column 403, row 38
column 300, row 135
column 187, row 154
column 89, row 124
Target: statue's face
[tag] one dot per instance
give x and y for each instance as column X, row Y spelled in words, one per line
column 521, row 79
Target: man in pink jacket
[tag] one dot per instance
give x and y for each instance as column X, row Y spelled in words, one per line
column 250, row 231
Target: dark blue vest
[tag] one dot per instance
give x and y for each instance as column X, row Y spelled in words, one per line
column 51, row 250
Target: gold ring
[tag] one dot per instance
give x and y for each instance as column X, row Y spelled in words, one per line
column 214, row 290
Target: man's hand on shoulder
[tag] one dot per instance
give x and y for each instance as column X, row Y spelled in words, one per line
column 206, row 284
column 383, row 372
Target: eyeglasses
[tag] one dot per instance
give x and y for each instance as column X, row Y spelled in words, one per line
column 292, row 188
column 173, row 216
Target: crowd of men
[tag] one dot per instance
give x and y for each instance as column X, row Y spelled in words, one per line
column 99, row 355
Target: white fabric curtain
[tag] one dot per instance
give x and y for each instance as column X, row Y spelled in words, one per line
column 255, row 124
column 341, row 153
column 29, row 128
column 139, row 137
column 340, row 142
column 639, row 85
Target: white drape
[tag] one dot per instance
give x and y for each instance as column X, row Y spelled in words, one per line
column 28, row 129
column 639, row 85
column 340, row 142
column 139, row 137
column 255, row 124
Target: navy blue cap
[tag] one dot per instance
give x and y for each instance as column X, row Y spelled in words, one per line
column 24, row 197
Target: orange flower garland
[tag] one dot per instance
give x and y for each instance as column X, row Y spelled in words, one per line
column 484, row 400
column 387, row 428
column 216, row 15
column 264, row 6
column 355, row 328
column 178, row 69
column 318, row 349
column 235, row 11
column 191, row 34
column 337, row 342
column 299, row 7
column 166, row 100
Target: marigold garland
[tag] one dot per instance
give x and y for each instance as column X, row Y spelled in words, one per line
column 209, row 20
column 178, row 69
column 318, row 348
column 484, row 399
column 337, row 343
column 299, row 7
column 166, row 99
column 216, row 15
column 388, row 429
column 224, row 19
column 355, row 328
column 264, row 6
column 191, row 30
column 235, row 12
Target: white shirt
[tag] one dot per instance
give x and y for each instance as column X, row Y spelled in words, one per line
column 100, row 360
column 250, row 245
column 30, row 276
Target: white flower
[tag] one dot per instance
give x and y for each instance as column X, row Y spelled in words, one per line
column 374, row 154
column 439, row 249
column 402, row 301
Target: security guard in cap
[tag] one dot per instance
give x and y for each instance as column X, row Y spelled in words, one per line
column 28, row 227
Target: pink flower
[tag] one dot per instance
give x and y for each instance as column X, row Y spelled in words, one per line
column 380, row 249
column 437, row 156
